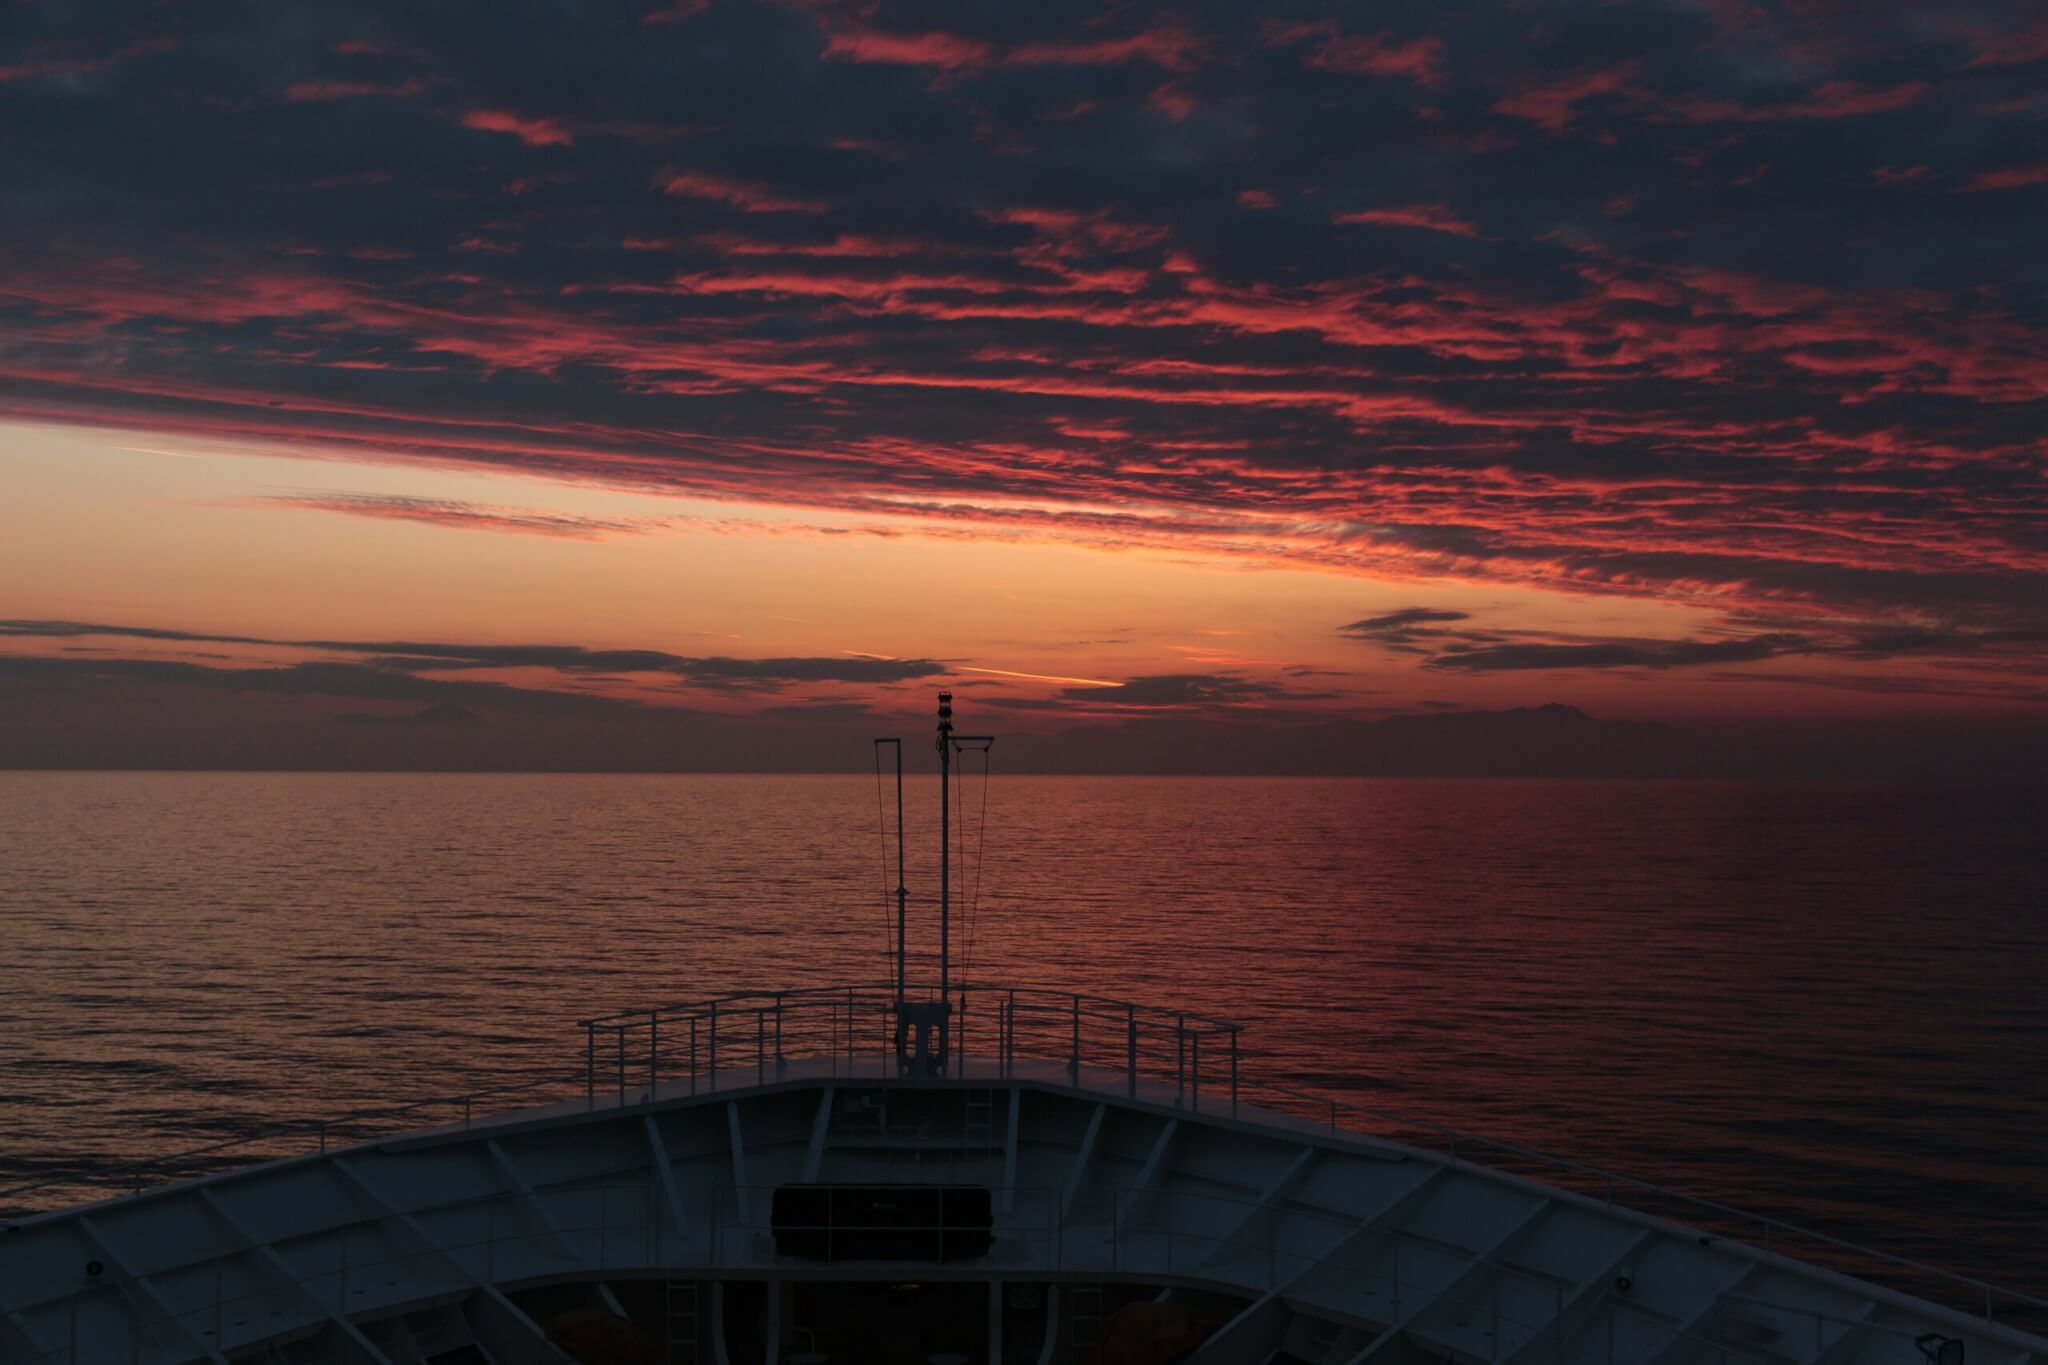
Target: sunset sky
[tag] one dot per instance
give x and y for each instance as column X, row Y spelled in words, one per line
column 548, row 369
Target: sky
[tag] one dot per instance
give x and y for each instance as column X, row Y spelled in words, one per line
column 679, row 384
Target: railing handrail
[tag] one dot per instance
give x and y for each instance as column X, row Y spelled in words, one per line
column 747, row 1001
column 780, row 1003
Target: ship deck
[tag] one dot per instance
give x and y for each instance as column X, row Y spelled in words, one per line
column 1126, row 1157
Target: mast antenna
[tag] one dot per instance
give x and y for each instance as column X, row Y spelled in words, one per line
column 902, row 893
column 950, row 744
column 924, row 1027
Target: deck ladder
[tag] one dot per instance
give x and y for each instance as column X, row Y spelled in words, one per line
column 981, row 1120
column 1084, row 1319
column 680, row 1336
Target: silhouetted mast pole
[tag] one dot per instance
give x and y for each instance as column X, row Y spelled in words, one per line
column 945, row 845
column 924, row 1027
column 902, row 894
column 948, row 743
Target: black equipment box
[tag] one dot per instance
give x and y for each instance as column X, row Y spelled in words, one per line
column 883, row 1222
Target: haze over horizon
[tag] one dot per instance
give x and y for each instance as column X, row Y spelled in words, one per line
column 697, row 385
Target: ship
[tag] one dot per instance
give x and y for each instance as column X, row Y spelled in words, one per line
column 945, row 1172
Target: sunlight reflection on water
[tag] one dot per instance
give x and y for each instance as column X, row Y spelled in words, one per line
column 1825, row 1002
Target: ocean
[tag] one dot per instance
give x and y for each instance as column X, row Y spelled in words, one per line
column 1825, row 1003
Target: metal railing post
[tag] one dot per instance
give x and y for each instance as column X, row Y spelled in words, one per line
column 653, row 1052
column 778, row 1034
column 1233, row 1073
column 622, row 1066
column 1131, row 1050
column 1074, row 1060
column 760, row 1046
column 693, row 1054
column 1180, row 1058
column 589, row 1070
column 712, row 1047
column 1195, row 1071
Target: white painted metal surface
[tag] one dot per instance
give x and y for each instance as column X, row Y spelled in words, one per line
column 1334, row 1246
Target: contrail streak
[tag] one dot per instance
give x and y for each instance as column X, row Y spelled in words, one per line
column 1040, row 677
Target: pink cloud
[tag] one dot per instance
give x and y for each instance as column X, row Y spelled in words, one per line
column 1166, row 45
column 1172, row 100
column 1432, row 217
column 907, row 49
column 737, row 193
column 81, row 66
column 1419, row 60
column 1549, row 105
column 2012, row 178
column 303, row 92
column 676, row 12
column 1831, row 99
column 534, row 132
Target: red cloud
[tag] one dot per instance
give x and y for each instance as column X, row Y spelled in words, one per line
column 49, row 66
column 2012, row 178
column 1549, row 105
column 907, row 49
column 534, row 132
column 1419, row 60
column 302, row 92
column 739, row 194
column 1433, row 217
column 1167, row 45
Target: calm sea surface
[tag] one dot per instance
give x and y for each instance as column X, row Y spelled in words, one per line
column 1826, row 1003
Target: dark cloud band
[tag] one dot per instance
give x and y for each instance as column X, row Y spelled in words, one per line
column 1698, row 298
